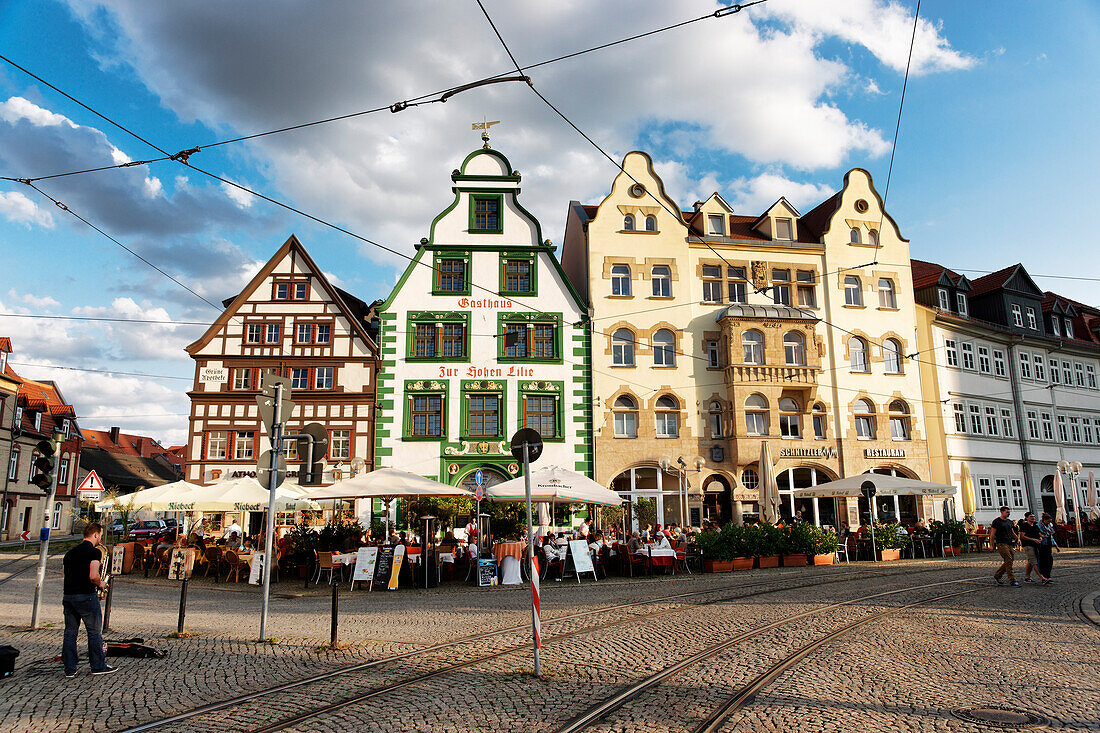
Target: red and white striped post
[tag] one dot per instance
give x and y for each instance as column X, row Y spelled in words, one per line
column 536, row 630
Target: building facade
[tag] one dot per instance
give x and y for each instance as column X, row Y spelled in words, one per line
column 716, row 333
column 291, row 319
column 33, row 411
column 1014, row 370
column 481, row 336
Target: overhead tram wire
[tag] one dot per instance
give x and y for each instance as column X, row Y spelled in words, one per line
column 99, row 371
column 48, row 316
column 442, row 94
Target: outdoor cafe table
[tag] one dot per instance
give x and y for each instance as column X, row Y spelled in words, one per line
column 509, row 549
column 659, row 556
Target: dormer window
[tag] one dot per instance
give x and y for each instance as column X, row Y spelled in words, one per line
column 1056, row 324
column 3, row 361
column 945, row 303
column 1017, row 316
column 715, row 227
column 1032, row 323
column 38, row 421
column 485, row 214
column 1069, row 328
column 960, row 299
column 628, row 223
column 784, row 229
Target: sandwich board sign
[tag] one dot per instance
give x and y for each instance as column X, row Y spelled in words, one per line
column 365, row 561
column 91, row 488
column 118, row 554
column 582, row 559
column 255, row 572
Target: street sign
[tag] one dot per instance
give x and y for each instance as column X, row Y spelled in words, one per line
column 479, row 492
column 213, row 375
column 534, row 444
column 479, row 477
column 25, row 535
column 868, row 489
column 263, row 470
column 91, row 488
column 311, row 474
column 266, row 406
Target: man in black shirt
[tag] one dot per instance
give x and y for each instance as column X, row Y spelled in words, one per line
column 81, row 603
column 1002, row 538
column 1030, row 538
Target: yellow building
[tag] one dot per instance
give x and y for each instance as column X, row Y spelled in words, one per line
column 715, row 333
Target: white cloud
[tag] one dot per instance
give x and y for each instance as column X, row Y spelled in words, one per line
column 34, row 301
column 753, row 195
column 239, row 197
column 141, row 340
column 16, row 207
column 17, row 109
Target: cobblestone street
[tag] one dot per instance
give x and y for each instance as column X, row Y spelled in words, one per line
column 915, row 643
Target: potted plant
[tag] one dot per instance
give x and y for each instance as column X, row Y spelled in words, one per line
column 796, row 543
column 890, row 542
column 767, row 547
column 742, row 543
column 303, row 542
column 824, row 545
column 716, row 551
column 951, row 535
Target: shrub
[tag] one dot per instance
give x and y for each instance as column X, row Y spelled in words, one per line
column 743, row 540
column 887, row 537
column 714, row 545
column 953, row 531
column 797, row 539
column 769, row 541
column 824, row 540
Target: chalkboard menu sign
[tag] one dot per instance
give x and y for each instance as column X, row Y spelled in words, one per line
column 384, row 565
column 486, row 571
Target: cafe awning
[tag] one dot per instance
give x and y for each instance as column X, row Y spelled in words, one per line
column 385, row 483
column 884, row 485
column 555, row 484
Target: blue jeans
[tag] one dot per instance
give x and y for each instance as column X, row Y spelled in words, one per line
column 83, row 608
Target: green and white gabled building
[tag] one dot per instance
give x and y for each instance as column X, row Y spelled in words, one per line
column 482, row 335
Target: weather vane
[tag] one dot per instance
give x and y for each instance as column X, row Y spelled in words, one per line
column 483, row 125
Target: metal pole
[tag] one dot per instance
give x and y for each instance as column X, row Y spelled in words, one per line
column 44, row 546
column 183, row 606
column 334, row 623
column 107, row 604
column 1076, row 508
column 536, row 633
column 272, row 485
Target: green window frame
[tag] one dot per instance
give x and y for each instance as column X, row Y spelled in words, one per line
column 452, row 273
column 518, row 274
column 486, row 213
column 475, row 395
column 438, row 336
column 539, row 338
column 541, row 407
column 425, row 411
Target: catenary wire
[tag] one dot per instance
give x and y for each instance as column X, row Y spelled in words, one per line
column 99, row 371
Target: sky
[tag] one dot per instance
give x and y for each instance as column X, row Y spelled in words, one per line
column 994, row 162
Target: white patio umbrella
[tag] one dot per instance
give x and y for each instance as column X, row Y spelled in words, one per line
column 555, row 484
column 769, row 490
column 1059, row 498
column 155, row 499
column 244, row 494
column 885, row 485
column 386, row 484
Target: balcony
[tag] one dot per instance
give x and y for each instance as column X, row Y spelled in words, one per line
column 767, row 374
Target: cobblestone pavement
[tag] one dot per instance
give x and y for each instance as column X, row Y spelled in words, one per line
column 1027, row 648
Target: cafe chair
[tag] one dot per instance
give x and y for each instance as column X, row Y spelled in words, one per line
column 213, row 557
column 140, row 557
column 844, row 550
column 681, row 558
column 234, row 565
column 551, row 561
column 324, row 562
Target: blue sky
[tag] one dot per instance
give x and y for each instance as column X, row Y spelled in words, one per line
column 993, row 165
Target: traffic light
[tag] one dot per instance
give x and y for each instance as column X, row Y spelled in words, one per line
column 44, row 464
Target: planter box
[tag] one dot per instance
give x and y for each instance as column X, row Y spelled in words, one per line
column 771, row 561
column 718, row 566
column 794, row 561
column 953, row 551
column 827, row 559
column 887, row 555
column 742, row 563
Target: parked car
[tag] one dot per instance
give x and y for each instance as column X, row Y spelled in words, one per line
column 117, row 528
column 147, row 528
column 171, row 522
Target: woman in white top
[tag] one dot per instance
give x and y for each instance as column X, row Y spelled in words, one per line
column 662, row 542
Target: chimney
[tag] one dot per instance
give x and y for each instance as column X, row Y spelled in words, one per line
column 114, row 435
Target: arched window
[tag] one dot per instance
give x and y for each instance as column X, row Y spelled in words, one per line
column 756, row 414
column 853, row 290
column 750, row 479
column 628, row 223
column 752, row 342
column 794, row 348
column 819, row 421
column 857, row 354
column 891, row 355
column 662, row 281
column 668, row 417
column 872, row 237
column 865, row 419
column 651, row 223
column 55, row 520
column 622, row 347
column 620, row 280
column 716, row 430
column 664, row 348
column 887, row 298
column 789, row 426
column 899, row 420
column 855, row 237
column 626, row 417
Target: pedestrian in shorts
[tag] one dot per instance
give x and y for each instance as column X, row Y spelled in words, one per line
column 1003, row 538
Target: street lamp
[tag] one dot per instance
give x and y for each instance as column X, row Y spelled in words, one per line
column 1071, row 469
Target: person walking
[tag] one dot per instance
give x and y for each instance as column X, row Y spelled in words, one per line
column 1047, row 546
column 81, row 603
column 1030, row 537
column 1002, row 539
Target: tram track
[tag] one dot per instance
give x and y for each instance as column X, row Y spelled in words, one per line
column 832, row 577
column 15, row 574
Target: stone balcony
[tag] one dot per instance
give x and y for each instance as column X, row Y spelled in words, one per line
column 769, row 374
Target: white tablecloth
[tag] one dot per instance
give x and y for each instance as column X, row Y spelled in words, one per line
column 657, row 552
column 443, row 557
column 509, row 567
column 347, row 558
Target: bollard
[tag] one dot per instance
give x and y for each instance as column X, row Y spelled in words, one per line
column 107, row 603
column 335, row 613
column 183, row 606
column 309, row 570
